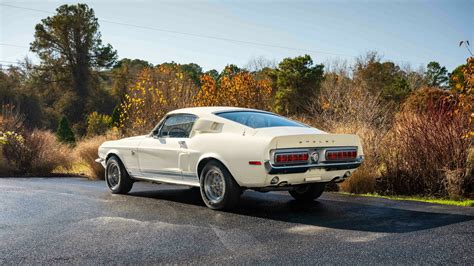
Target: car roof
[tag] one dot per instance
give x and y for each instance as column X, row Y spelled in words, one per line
column 209, row 110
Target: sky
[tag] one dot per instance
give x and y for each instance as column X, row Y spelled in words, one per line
column 216, row 33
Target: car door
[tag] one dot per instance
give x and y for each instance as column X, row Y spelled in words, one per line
column 159, row 154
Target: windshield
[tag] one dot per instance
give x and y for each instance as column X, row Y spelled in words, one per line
column 259, row 119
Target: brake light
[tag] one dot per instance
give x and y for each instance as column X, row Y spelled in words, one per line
column 341, row 155
column 297, row 157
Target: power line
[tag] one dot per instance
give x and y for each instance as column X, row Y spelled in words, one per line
column 195, row 34
column 26, row 8
column 218, row 38
column 13, row 45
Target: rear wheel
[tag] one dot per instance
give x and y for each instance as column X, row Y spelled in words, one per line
column 218, row 188
column 116, row 177
column 307, row 192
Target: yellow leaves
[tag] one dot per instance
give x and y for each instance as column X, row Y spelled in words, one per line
column 11, row 137
column 157, row 91
column 241, row 89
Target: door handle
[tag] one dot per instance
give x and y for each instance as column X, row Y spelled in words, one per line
column 182, row 144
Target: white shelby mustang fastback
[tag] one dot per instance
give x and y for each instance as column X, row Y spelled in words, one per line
column 225, row 150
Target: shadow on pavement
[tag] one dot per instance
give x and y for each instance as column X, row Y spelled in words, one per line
column 325, row 212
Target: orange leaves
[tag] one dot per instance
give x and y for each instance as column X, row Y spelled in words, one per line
column 157, row 91
column 468, row 72
column 208, row 95
column 167, row 87
column 241, row 89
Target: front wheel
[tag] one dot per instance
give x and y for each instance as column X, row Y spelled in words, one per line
column 218, row 188
column 308, row 192
column 116, row 177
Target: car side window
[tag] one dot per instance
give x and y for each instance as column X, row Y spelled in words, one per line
column 177, row 126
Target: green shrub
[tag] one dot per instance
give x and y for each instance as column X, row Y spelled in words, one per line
column 98, row 124
column 64, row 132
column 116, row 116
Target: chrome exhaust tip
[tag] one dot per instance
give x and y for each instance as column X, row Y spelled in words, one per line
column 274, row 180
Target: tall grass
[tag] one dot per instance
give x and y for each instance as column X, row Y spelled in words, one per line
column 344, row 106
column 36, row 153
column 87, row 152
column 427, row 153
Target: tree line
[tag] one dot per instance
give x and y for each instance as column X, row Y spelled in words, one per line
column 415, row 124
column 80, row 81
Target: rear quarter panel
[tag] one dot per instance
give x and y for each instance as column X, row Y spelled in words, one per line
column 234, row 151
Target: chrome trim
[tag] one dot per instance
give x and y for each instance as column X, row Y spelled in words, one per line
column 359, row 159
column 320, row 150
column 167, row 173
column 194, row 183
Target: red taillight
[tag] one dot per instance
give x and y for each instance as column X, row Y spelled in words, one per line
column 255, row 163
column 341, row 155
column 298, row 157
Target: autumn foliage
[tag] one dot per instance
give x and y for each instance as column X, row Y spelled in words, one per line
column 157, row 91
column 167, row 87
column 241, row 89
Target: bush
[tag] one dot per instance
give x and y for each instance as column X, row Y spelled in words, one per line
column 87, row 152
column 427, row 153
column 11, row 119
column 344, row 106
column 35, row 154
column 98, row 124
column 364, row 179
column 156, row 92
column 64, row 132
column 422, row 99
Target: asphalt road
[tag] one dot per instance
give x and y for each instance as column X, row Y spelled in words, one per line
column 72, row 220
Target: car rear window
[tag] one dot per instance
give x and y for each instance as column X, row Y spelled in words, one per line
column 259, row 119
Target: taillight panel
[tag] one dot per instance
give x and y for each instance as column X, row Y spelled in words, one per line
column 341, row 155
column 313, row 156
column 292, row 158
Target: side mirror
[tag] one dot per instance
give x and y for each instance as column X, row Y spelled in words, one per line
column 207, row 126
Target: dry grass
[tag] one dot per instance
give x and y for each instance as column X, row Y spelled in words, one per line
column 35, row 154
column 46, row 153
column 428, row 154
column 346, row 107
column 458, row 202
column 86, row 151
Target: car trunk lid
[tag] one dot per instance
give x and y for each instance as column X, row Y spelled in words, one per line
column 306, row 137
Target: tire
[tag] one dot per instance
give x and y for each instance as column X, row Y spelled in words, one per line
column 219, row 191
column 308, row 192
column 116, row 177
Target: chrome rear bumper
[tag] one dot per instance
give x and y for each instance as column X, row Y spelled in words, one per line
column 294, row 169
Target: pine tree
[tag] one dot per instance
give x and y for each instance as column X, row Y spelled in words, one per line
column 116, row 116
column 64, row 132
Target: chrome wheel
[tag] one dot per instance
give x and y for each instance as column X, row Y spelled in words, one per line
column 214, row 185
column 113, row 175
